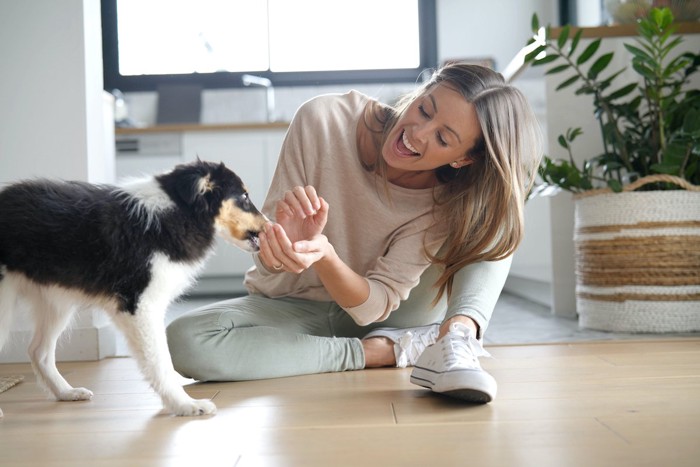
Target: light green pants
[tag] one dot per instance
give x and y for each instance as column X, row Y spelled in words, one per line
column 254, row 337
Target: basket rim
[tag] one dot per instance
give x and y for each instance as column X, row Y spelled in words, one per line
column 682, row 183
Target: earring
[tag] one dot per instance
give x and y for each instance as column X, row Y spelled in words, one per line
column 454, row 164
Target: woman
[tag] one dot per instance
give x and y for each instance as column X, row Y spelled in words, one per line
column 403, row 218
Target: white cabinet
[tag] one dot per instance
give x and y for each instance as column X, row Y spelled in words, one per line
column 147, row 154
column 251, row 153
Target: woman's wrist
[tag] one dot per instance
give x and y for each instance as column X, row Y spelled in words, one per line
column 328, row 258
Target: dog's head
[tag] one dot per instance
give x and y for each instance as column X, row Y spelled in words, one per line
column 213, row 191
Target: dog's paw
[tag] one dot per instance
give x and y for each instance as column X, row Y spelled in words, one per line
column 195, row 407
column 1, row 414
column 75, row 394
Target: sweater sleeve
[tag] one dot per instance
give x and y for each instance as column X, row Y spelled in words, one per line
column 395, row 275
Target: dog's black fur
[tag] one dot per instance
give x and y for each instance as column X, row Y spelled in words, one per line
column 127, row 249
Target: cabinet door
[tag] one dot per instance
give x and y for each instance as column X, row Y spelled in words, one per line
column 147, row 154
column 245, row 154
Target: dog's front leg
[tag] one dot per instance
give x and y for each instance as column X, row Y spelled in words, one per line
column 145, row 332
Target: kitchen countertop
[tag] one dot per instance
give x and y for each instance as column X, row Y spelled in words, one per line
column 179, row 128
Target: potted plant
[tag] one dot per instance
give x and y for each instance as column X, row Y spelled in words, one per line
column 637, row 233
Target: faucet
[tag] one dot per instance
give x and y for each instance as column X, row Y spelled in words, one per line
column 252, row 80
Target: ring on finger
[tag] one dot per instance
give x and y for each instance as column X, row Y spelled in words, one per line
column 278, row 267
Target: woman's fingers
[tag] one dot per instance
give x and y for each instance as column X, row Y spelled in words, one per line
column 281, row 250
column 279, row 253
column 303, row 201
column 266, row 255
column 314, row 200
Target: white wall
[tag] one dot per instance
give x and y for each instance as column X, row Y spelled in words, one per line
column 53, row 119
column 50, row 89
column 496, row 29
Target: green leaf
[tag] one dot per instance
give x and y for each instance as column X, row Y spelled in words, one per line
column 675, row 66
column 562, row 142
column 665, row 168
column 568, row 82
column 558, row 69
column 672, row 45
column 643, row 70
column 639, row 53
column 563, row 36
column 585, row 89
column 646, row 30
column 622, row 92
column 615, row 186
column 607, row 81
column 574, row 42
column 588, row 52
column 662, row 17
column 531, row 56
column 599, row 65
column 546, row 59
column 535, row 23
column 572, row 133
column 691, row 122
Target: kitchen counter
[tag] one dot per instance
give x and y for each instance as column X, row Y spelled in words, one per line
column 194, row 127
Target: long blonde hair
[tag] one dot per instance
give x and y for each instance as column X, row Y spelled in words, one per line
column 490, row 193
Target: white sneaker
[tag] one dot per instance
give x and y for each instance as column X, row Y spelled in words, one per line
column 451, row 367
column 409, row 343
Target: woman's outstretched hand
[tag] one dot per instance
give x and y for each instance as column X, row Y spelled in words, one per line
column 296, row 242
column 302, row 213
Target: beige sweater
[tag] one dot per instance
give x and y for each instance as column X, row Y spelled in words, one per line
column 381, row 238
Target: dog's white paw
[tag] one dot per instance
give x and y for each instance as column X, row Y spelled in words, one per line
column 75, row 394
column 1, row 414
column 194, row 407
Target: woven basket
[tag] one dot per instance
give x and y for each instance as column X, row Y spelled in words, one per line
column 638, row 258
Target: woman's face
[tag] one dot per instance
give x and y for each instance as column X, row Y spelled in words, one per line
column 438, row 128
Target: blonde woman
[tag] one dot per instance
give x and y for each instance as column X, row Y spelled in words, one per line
column 394, row 229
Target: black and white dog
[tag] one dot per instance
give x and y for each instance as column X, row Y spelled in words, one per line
column 130, row 250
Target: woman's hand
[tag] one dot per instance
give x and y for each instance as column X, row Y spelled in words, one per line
column 295, row 242
column 279, row 253
column 302, row 213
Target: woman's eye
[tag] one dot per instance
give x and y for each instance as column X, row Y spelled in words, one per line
column 441, row 140
column 423, row 112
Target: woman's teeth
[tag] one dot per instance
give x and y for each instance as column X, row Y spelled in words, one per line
column 408, row 144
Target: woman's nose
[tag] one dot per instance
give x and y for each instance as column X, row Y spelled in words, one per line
column 421, row 131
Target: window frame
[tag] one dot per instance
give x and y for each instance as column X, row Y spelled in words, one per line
column 113, row 80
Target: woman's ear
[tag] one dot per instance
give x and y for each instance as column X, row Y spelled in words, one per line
column 458, row 164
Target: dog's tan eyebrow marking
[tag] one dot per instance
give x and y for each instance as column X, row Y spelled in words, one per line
column 205, row 184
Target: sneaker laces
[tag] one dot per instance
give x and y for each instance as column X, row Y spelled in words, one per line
column 411, row 345
column 462, row 348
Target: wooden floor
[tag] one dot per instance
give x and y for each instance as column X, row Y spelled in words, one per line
column 585, row 404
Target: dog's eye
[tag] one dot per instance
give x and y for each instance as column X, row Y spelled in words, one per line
column 244, row 201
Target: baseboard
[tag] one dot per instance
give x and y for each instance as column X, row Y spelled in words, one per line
column 531, row 289
column 77, row 344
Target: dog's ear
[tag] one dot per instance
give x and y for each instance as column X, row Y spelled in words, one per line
column 194, row 190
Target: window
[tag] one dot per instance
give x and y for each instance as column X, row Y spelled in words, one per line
column 212, row 43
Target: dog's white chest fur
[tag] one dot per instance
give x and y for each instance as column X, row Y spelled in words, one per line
column 168, row 279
